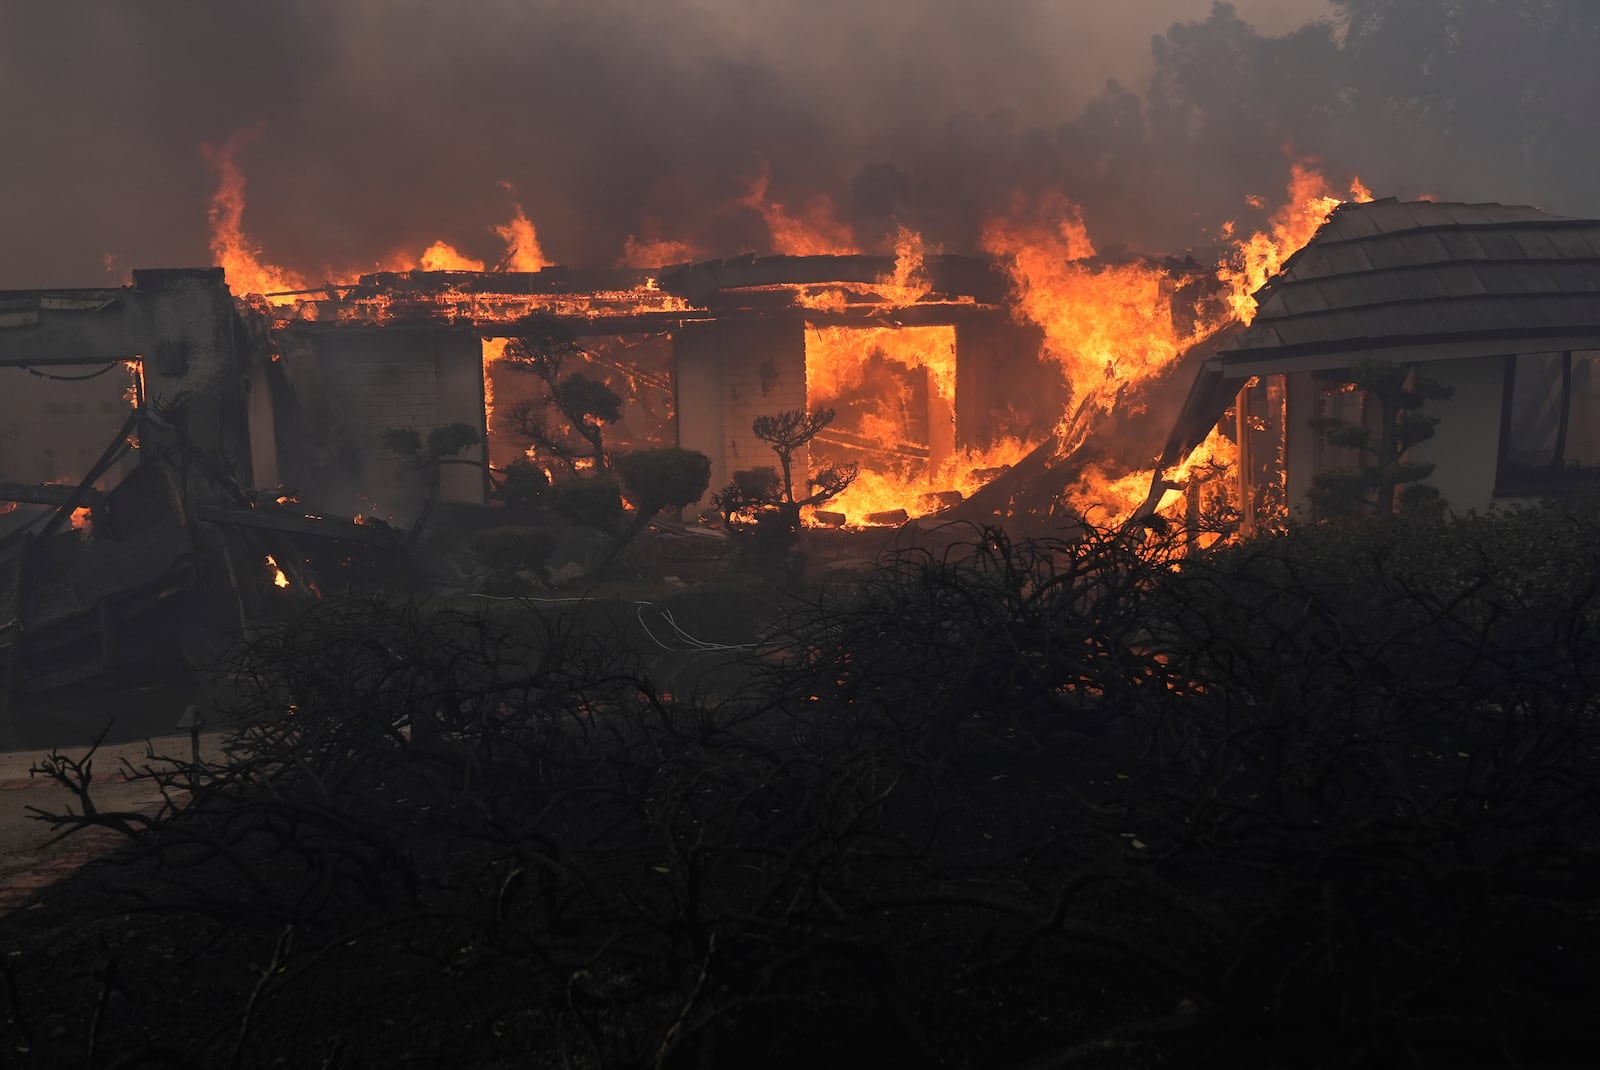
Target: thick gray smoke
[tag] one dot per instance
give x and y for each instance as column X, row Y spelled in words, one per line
column 387, row 124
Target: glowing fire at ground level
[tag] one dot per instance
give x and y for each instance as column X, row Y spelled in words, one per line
column 895, row 391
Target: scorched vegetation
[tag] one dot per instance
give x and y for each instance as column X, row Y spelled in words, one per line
column 1321, row 799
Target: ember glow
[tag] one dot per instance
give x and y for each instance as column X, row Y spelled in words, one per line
column 134, row 394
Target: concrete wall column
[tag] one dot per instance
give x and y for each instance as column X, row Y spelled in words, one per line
column 373, row 381
column 458, row 375
column 263, row 430
column 1300, row 441
column 697, row 386
column 978, row 347
column 728, row 373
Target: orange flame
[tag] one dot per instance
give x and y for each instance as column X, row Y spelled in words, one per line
column 653, row 252
column 894, row 390
column 248, row 273
column 494, row 349
column 921, row 490
column 442, row 256
column 816, row 232
column 239, row 257
column 1257, row 258
column 836, row 358
column 522, row 244
column 278, row 578
column 134, row 394
column 1109, row 326
column 1114, row 327
column 902, row 287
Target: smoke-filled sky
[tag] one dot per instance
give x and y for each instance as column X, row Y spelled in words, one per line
column 382, row 125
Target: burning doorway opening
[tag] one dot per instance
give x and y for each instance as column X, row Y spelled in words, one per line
column 918, row 411
column 893, row 390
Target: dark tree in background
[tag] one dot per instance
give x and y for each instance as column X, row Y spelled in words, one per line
column 1502, row 88
column 1474, row 100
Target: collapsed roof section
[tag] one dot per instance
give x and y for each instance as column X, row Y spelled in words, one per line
column 829, row 290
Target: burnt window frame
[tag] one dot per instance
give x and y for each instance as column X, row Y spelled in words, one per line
column 1558, row 475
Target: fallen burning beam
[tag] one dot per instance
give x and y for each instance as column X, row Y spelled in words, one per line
column 952, row 275
column 282, row 521
column 863, row 444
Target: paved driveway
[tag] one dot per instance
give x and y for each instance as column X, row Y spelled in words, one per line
column 28, row 859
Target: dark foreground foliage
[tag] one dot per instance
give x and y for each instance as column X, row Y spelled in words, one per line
column 1324, row 799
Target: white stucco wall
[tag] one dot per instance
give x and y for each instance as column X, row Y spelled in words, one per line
column 1464, row 449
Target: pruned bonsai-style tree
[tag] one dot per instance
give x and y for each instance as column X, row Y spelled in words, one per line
column 655, row 480
column 566, row 424
column 762, row 500
column 1384, row 478
column 430, row 454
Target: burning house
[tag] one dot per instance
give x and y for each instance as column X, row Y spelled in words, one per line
column 697, row 351
column 1036, row 381
column 1499, row 306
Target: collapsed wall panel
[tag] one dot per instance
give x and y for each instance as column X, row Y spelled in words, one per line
column 179, row 325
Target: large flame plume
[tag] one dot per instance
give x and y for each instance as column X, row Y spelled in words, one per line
column 1110, row 326
column 247, row 273
column 240, row 258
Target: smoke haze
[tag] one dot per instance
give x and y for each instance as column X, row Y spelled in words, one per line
column 382, row 126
